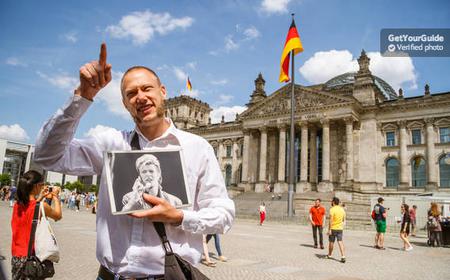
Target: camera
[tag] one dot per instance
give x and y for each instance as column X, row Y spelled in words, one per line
column 50, row 189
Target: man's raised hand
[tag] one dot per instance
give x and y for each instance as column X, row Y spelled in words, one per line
column 94, row 76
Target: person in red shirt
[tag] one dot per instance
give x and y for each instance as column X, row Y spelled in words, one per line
column 30, row 190
column 316, row 217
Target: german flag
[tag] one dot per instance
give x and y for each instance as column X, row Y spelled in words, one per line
column 292, row 43
column 188, row 84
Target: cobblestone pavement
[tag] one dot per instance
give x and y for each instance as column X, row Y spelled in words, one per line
column 271, row 251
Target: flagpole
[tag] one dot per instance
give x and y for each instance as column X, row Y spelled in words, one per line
column 292, row 143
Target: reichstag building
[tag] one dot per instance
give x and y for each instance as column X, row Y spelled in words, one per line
column 354, row 133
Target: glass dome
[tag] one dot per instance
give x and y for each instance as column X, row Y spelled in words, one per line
column 349, row 78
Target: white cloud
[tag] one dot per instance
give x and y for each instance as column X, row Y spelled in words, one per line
column 71, row 37
column 323, row 66
column 397, row 71
column 219, row 82
column 180, row 74
column 193, row 93
column 14, row 61
column 228, row 112
column 192, row 65
column 141, row 27
column 112, row 97
column 60, row 80
column 233, row 42
column 274, row 6
column 251, row 33
column 100, row 129
column 230, row 44
column 224, row 98
column 13, row 132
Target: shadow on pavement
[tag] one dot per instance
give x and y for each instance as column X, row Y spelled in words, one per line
column 393, row 248
column 368, row 246
column 420, row 244
column 321, row 256
column 307, row 245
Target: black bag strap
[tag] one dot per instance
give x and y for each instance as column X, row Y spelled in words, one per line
column 33, row 229
column 159, row 227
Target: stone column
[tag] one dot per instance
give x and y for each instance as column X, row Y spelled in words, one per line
column 325, row 185
column 263, row 155
column 282, row 154
column 245, row 156
column 313, row 156
column 234, row 163
column 220, row 153
column 304, row 158
column 431, row 166
column 349, row 148
column 403, row 155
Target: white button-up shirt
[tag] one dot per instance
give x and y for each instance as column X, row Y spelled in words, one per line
column 126, row 245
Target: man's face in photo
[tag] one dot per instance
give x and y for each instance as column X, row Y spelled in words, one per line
column 149, row 174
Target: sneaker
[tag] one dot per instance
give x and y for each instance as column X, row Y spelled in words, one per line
column 315, row 246
column 343, row 260
column 409, row 248
column 321, row 247
column 223, row 258
column 327, row 257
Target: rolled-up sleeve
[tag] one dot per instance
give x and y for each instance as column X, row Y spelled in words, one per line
column 213, row 210
column 58, row 151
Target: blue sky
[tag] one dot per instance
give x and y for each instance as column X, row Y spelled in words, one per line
column 221, row 45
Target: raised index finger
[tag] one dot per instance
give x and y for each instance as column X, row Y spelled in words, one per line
column 102, row 58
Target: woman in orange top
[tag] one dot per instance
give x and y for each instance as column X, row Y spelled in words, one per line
column 30, row 190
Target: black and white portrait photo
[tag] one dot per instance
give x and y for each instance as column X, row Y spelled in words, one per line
column 159, row 173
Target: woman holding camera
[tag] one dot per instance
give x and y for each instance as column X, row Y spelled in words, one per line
column 30, row 190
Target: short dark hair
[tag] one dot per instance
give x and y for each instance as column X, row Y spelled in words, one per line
column 137, row 67
column 318, row 199
column 335, row 201
column 380, row 199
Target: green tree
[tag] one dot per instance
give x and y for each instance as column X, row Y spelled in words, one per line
column 93, row 188
column 5, row 179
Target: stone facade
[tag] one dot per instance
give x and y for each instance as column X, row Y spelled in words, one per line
column 352, row 133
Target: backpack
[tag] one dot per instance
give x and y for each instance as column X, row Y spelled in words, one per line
column 374, row 216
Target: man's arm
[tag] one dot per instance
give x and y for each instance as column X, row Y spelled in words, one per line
column 55, row 148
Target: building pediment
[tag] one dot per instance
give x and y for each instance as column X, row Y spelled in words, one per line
column 307, row 99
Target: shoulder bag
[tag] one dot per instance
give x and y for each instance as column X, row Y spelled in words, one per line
column 33, row 268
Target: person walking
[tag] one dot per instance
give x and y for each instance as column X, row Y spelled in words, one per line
column 262, row 213
column 217, row 245
column 30, row 190
column 336, row 228
column 412, row 215
column 405, row 227
column 434, row 225
column 379, row 214
column 317, row 217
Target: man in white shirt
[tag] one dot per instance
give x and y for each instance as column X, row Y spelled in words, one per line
column 128, row 246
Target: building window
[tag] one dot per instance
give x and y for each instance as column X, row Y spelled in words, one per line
column 228, row 175
column 392, row 172
column 240, row 173
column 390, row 138
column 241, row 150
column 416, row 136
column 229, row 151
column 215, row 151
column 444, row 134
column 418, row 171
column 444, row 171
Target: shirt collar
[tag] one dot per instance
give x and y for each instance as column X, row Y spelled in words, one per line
column 171, row 131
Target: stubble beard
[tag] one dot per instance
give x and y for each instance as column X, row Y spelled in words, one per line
column 160, row 110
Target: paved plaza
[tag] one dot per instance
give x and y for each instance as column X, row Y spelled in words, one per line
column 271, row 251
